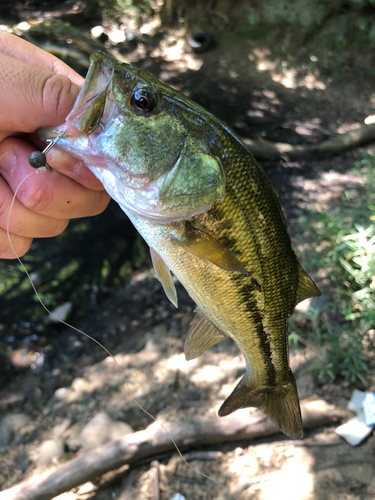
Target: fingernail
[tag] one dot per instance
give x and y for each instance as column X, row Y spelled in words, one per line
column 8, row 161
column 63, row 161
column 56, row 157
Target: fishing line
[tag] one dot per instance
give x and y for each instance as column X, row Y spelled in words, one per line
column 42, row 169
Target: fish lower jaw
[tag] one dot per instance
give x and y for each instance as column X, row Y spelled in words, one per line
column 154, row 213
column 144, row 201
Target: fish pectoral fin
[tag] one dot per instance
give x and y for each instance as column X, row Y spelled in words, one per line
column 306, row 286
column 163, row 274
column 202, row 335
column 205, row 246
column 280, row 403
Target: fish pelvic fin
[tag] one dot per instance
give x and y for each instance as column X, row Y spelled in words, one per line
column 202, row 335
column 280, row 403
column 306, row 286
column 163, row 274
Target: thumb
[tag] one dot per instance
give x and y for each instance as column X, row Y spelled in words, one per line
column 32, row 97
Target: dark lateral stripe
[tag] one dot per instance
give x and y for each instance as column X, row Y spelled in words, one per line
column 248, row 296
column 265, row 348
column 247, row 288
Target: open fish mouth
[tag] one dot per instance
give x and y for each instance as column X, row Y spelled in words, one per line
column 96, row 85
column 144, row 157
column 91, row 102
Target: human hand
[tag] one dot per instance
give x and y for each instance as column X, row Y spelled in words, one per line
column 38, row 90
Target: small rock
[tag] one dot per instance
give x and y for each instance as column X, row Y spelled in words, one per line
column 60, row 428
column 12, row 400
column 102, row 429
column 117, row 36
column 311, row 310
column 63, row 394
column 314, row 303
column 61, row 313
column 73, row 441
column 50, row 452
column 171, row 40
column 97, row 31
column 10, row 425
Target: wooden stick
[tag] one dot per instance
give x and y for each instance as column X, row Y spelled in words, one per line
column 267, row 150
column 126, row 487
column 155, row 466
column 243, row 424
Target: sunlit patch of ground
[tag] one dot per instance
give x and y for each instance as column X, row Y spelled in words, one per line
column 326, row 187
column 281, row 72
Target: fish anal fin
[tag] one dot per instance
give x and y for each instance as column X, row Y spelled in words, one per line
column 164, row 276
column 208, row 248
column 202, row 335
column 306, row 286
column 280, row 403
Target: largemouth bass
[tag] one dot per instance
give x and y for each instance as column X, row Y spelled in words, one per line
column 209, row 215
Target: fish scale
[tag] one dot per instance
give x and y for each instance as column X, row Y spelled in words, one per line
column 209, row 214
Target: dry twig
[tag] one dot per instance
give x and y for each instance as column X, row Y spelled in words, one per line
column 155, row 466
column 244, row 424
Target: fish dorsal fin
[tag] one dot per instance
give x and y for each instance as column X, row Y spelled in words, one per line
column 306, row 286
column 164, row 276
column 202, row 335
column 205, row 246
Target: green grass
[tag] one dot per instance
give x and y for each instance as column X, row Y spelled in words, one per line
column 343, row 330
column 92, row 254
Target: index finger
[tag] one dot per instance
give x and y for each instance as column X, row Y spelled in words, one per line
column 32, row 97
column 18, row 48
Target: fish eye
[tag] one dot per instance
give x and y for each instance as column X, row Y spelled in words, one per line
column 143, row 101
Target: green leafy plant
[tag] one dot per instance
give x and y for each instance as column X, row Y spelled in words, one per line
column 343, row 335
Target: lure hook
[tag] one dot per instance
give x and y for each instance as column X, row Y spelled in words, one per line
column 38, row 159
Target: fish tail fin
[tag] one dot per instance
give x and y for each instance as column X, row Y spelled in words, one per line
column 280, row 403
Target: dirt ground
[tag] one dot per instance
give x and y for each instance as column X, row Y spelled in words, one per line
column 249, row 87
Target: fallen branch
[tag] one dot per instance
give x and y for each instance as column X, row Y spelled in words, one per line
column 266, row 150
column 154, row 440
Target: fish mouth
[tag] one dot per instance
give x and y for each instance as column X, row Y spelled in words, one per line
column 93, row 105
column 48, row 134
column 95, row 85
column 80, row 147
